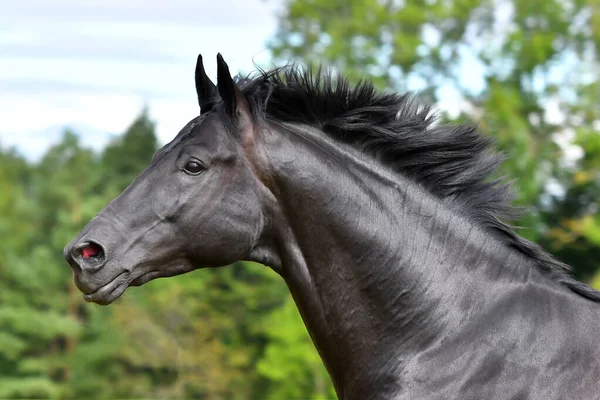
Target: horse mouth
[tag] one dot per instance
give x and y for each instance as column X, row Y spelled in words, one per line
column 148, row 276
column 109, row 292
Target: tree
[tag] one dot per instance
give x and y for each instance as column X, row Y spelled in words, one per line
column 127, row 155
column 290, row 357
column 46, row 203
column 574, row 235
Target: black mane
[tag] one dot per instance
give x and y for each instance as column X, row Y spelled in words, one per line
column 454, row 163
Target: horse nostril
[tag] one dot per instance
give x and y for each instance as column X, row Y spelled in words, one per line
column 89, row 255
column 91, row 250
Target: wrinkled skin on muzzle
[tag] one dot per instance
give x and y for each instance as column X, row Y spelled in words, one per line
column 195, row 206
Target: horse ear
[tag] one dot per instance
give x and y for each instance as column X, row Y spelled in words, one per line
column 205, row 89
column 234, row 101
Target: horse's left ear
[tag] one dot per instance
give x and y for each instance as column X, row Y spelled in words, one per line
column 205, row 89
column 233, row 99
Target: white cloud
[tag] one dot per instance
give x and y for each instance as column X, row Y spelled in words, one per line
column 93, row 65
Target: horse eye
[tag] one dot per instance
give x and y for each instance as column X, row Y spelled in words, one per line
column 193, row 167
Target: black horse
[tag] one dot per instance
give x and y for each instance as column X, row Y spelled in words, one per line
column 385, row 227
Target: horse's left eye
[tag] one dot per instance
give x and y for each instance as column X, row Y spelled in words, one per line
column 193, row 167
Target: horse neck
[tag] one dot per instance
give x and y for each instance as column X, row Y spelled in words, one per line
column 375, row 264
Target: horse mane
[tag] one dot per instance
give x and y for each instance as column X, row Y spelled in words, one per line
column 453, row 162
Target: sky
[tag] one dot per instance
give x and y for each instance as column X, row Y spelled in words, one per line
column 93, row 65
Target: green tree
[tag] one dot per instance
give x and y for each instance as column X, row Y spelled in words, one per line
column 39, row 308
column 290, row 363
column 574, row 217
column 206, row 328
column 127, row 155
column 16, row 231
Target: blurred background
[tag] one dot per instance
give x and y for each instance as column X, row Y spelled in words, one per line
column 89, row 90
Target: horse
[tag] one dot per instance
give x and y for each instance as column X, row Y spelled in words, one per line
column 385, row 224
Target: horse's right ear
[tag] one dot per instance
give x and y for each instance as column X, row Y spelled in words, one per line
column 205, row 89
column 233, row 99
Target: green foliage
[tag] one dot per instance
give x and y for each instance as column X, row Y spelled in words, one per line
column 574, row 233
column 290, row 357
column 126, row 156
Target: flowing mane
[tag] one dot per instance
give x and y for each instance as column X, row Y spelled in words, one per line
column 453, row 162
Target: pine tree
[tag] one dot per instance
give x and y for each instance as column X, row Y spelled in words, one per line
column 127, row 155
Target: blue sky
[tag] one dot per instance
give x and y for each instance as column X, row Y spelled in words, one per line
column 93, row 65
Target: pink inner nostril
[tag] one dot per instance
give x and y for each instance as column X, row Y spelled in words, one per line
column 90, row 250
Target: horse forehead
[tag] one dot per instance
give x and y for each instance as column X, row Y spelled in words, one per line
column 209, row 127
column 199, row 130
